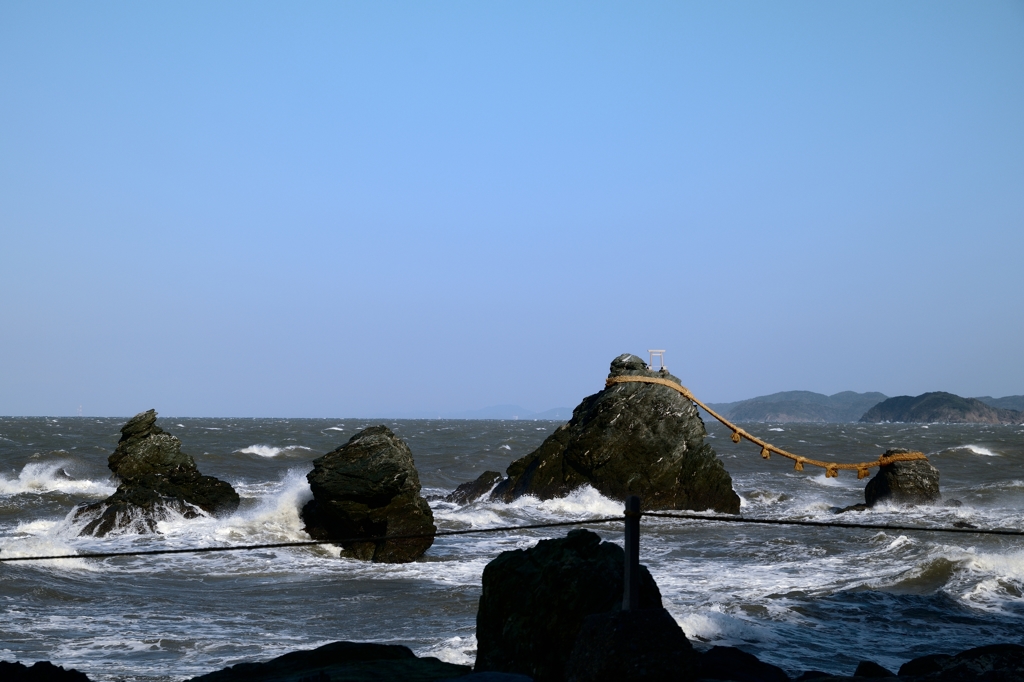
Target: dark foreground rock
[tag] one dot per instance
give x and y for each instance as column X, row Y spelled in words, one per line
column 369, row 487
column 872, row 669
column 43, row 671
column 629, row 439
column 640, row 646
column 730, row 663
column 994, row 663
column 341, row 662
column 913, row 482
column 924, row 665
column 534, row 602
column 155, row 476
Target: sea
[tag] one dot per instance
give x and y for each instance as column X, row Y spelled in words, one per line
column 800, row 598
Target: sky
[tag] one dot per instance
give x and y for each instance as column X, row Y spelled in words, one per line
column 252, row 209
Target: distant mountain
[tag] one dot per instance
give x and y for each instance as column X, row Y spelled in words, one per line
column 512, row 412
column 800, row 406
column 940, row 407
column 1010, row 402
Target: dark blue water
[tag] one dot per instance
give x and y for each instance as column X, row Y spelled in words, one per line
column 800, row 598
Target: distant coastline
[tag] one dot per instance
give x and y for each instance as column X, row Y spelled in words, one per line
column 848, row 407
column 810, row 407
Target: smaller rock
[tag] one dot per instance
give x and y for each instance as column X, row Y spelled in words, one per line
column 730, row 663
column 642, row 646
column 341, row 661
column 42, row 671
column 474, row 490
column 924, row 665
column 871, row 669
column 369, row 487
column 913, row 482
column 852, row 507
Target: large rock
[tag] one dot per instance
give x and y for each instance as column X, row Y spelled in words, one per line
column 155, row 477
column 629, row 439
column 913, row 482
column 341, row 662
column 369, row 488
column 534, row 602
column 645, row 645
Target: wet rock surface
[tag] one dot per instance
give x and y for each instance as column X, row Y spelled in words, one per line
column 534, row 602
column 341, row 662
column 155, row 476
column 914, row 482
column 369, row 487
column 644, row 646
column 474, row 490
column 629, row 439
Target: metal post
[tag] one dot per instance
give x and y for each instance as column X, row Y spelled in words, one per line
column 631, row 569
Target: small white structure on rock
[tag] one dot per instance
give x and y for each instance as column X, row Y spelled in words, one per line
column 660, row 355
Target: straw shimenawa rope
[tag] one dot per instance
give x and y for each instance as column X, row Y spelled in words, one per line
column 831, row 468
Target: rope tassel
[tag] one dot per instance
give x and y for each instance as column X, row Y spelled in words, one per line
column 862, row 473
column 735, row 436
column 765, row 454
column 832, row 471
column 799, row 466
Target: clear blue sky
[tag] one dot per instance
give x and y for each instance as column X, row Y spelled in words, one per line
column 382, row 209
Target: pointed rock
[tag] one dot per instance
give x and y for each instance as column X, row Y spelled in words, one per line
column 155, row 477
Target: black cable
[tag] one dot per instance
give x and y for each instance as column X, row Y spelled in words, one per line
column 499, row 529
column 835, row 524
column 308, row 543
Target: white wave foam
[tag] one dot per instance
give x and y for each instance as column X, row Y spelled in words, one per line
column 978, row 450
column 822, row 480
column 776, row 429
column 334, row 428
column 269, row 450
column 45, row 477
column 457, row 650
column 712, row 625
column 582, row 501
column 275, row 518
column 47, row 543
column 504, row 447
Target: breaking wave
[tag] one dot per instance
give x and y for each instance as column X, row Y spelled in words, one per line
column 46, row 477
column 270, row 450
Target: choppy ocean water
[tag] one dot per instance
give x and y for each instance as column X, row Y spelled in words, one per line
column 801, row 598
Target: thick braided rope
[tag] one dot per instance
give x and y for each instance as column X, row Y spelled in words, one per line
column 831, row 468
